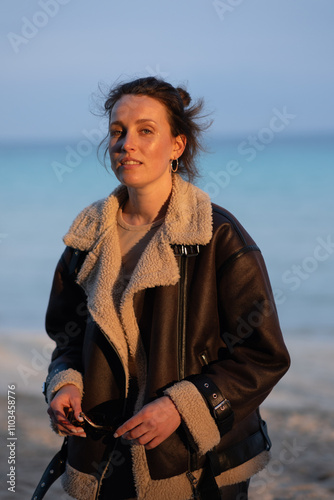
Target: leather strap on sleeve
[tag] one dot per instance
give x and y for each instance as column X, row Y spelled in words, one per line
column 219, row 406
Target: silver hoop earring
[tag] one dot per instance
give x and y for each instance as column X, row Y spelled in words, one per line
column 174, row 170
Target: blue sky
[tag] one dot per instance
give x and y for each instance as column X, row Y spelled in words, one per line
column 245, row 57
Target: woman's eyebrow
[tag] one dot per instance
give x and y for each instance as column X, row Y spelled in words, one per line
column 145, row 120
column 116, row 122
column 141, row 120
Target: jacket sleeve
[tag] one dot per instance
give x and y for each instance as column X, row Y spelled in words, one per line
column 65, row 324
column 252, row 357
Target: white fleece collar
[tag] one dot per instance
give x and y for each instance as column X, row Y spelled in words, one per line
column 188, row 220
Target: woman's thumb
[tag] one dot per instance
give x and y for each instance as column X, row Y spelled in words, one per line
column 76, row 405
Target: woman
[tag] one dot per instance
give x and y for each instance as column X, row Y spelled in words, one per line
column 166, row 329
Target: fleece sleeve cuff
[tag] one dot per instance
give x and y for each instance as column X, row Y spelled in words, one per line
column 62, row 378
column 195, row 414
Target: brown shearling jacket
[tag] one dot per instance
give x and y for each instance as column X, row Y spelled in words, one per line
column 219, row 323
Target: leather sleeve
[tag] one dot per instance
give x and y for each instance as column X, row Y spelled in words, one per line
column 65, row 324
column 254, row 356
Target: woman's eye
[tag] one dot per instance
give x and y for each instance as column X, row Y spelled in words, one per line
column 115, row 133
column 146, row 131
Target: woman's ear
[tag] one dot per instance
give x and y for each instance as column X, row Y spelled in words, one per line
column 180, row 145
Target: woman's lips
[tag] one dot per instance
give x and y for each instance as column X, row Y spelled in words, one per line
column 131, row 162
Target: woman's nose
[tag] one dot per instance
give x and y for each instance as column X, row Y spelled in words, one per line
column 128, row 142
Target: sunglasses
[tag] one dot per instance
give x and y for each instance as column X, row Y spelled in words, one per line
column 89, row 421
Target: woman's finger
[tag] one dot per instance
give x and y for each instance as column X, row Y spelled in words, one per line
column 138, row 431
column 129, row 425
column 66, row 400
column 64, row 425
column 153, row 443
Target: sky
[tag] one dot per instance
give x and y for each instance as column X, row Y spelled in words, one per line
column 245, row 57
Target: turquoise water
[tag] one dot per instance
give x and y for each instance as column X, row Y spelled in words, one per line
column 282, row 193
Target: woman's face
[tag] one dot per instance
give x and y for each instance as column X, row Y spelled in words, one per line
column 141, row 144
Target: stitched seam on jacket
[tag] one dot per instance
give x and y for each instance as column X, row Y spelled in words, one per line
column 232, row 258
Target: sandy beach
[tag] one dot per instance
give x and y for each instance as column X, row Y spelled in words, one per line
column 299, row 413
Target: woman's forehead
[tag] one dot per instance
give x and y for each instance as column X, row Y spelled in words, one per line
column 138, row 107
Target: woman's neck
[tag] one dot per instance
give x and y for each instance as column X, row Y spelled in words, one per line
column 145, row 207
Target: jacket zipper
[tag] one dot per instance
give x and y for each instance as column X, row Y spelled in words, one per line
column 193, row 482
column 181, row 339
column 182, row 312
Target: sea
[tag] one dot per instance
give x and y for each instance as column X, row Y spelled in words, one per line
column 281, row 191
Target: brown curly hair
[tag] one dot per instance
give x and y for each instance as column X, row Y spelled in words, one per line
column 183, row 120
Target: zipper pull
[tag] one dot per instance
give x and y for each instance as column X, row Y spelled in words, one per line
column 193, row 481
column 204, row 358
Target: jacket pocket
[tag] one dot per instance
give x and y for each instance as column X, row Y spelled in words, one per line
column 170, row 458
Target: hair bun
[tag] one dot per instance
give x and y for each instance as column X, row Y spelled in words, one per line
column 186, row 99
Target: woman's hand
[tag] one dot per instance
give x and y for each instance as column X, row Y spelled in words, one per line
column 68, row 397
column 154, row 423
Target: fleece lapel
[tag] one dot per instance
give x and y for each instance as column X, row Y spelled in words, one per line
column 189, row 217
column 95, row 231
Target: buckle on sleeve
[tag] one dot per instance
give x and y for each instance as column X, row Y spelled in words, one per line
column 223, row 409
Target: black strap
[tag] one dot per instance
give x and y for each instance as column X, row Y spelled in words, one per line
column 219, row 406
column 241, row 452
column 207, row 487
column 54, row 470
column 230, row 458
